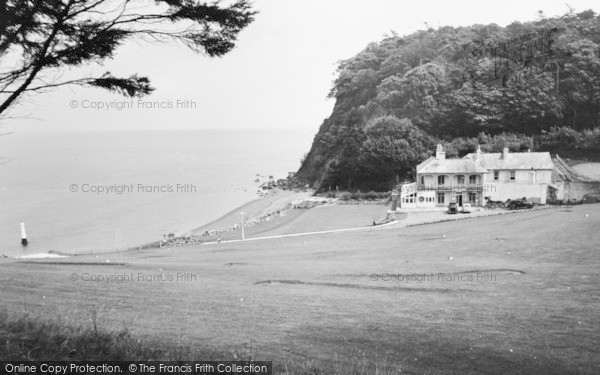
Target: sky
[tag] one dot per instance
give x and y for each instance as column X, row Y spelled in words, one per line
column 277, row 77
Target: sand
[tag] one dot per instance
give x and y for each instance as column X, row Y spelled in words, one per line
column 277, row 200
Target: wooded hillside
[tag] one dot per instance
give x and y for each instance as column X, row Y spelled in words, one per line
column 399, row 97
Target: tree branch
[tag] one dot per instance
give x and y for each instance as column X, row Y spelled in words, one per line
column 39, row 61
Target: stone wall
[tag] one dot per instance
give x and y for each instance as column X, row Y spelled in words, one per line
column 575, row 190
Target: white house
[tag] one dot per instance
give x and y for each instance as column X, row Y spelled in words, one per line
column 515, row 175
column 477, row 176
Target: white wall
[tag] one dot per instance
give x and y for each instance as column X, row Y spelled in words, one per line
column 522, row 186
column 422, row 199
column 541, row 176
column 576, row 190
column 501, row 191
column 431, row 180
column 544, row 176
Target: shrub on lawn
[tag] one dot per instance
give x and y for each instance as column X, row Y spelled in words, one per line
column 356, row 195
column 371, row 195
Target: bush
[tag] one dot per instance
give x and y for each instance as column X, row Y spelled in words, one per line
column 345, row 197
column 371, row 195
column 571, row 143
column 356, row 196
column 383, row 195
column 462, row 146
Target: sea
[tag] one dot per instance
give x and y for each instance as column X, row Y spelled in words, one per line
column 94, row 191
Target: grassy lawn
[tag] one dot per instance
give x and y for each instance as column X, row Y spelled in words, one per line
column 316, row 219
column 310, row 302
column 589, row 170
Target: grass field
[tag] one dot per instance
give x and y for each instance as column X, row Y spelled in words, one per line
column 316, row 219
column 589, row 170
column 519, row 293
column 320, row 218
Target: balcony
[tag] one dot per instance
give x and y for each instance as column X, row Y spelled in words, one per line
column 450, row 187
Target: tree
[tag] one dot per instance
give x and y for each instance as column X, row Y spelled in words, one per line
column 40, row 37
column 455, row 83
column 416, row 94
column 393, row 147
column 581, row 85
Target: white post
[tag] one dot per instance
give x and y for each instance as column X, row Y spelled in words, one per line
column 241, row 213
column 23, row 234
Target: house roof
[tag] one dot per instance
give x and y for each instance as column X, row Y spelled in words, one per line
column 514, row 160
column 434, row 165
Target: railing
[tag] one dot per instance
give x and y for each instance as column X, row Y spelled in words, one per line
column 451, row 187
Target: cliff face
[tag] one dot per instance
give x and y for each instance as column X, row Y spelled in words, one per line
column 461, row 86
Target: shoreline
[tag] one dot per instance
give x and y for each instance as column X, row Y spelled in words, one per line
column 255, row 211
column 272, row 208
column 250, row 207
column 260, row 202
column 276, row 199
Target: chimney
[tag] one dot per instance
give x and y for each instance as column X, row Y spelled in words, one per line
column 477, row 153
column 440, row 153
column 505, row 153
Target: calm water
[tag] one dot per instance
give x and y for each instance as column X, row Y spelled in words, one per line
column 215, row 171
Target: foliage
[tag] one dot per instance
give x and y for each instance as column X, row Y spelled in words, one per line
column 393, row 147
column 572, row 143
column 42, row 39
column 461, row 146
column 345, row 196
column 397, row 98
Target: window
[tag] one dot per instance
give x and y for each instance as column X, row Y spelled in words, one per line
column 473, row 179
column 410, row 198
column 512, row 175
column 472, row 197
column 440, row 197
column 496, row 175
column 460, row 179
column 441, row 180
column 422, row 180
column 532, row 176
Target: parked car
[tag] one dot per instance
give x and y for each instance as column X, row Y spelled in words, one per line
column 519, row 205
column 591, row 198
column 466, row 208
column 452, row 208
